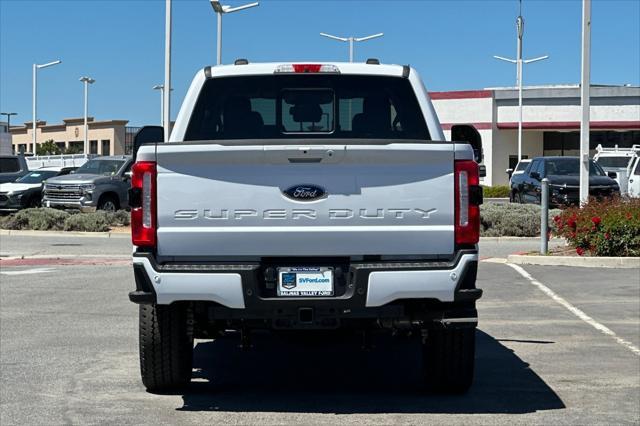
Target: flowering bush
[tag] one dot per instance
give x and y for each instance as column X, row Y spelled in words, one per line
column 602, row 228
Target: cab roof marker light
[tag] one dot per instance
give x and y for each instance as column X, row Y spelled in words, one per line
column 307, row 68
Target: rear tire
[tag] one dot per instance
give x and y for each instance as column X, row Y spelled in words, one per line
column 166, row 348
column 449, row 357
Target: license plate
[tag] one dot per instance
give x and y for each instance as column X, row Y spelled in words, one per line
column 305, row 281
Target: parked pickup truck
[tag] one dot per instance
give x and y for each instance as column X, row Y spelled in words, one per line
column 12, row 167
column 306, row 197
column 101, row 183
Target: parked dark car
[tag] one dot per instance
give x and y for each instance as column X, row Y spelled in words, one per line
column 26, row 191
column 564, row 181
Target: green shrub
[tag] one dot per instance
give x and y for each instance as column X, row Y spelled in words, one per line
column 498, row 191
column 97, row 222
column 42, row 219
column 119, row 218
column 602, row 228
column 513, row 220
column 89, row 222
column 46, row 219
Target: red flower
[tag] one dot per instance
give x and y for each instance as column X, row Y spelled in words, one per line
column 596, row 220
column 572, row 223
column 580, row 251
column 557, row 219
column 607, row 236
column 628, row 215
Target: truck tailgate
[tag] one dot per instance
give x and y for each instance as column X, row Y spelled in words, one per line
column 220, row 200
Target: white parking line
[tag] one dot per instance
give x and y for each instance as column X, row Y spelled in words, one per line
column 575, row 311
column 27, row 271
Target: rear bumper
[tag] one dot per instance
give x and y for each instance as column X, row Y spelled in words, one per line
column 365, row 285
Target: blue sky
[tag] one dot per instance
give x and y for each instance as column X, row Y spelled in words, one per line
column 120, row 43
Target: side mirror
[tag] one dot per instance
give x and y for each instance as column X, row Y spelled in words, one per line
column 467, row 133
column 612, row 175
column 147, row 134
column 482, row 170
column 127, row 175
column 535, row 175
column 509, row 172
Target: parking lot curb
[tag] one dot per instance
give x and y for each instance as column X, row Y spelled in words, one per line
column 498, row 239
column 25, row 233
column 586, row 262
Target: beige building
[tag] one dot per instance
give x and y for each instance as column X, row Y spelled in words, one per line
column 107, row 137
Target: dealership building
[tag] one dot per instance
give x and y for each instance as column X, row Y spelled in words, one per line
column 106, row 137
column 551, row 121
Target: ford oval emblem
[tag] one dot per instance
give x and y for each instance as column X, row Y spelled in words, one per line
column 305, row 192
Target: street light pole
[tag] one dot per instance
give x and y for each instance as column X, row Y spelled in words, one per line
column 166, row 112
column 585, row 86
column 519, row 71
column 220, row 10
column 36, row 67
column 160, row 87
column 8, row 115
column 351, row 40
column 87, row 81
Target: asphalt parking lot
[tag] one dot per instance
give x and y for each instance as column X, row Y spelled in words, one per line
column 68, row 352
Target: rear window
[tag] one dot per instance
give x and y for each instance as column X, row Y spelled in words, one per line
column 100, row 167
column 9, row 165
column 309, row 106
column 614, row 162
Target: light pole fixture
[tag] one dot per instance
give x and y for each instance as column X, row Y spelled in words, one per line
column 8, row 115
column 160, row 87
column 519, row 61
column 351, row 40
column 87, row 81
column 36, row 67
column 220, row 10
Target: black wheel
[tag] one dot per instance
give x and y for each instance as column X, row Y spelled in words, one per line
column 449, row 359
column 518, row 198
column 34, row 202
column 108, row 203
column 166, row 347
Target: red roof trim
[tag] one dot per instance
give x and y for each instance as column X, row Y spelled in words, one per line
column 570, row 125
column 478, row 126
column 462, row 94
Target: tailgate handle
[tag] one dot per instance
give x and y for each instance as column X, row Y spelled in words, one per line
column 305, row 160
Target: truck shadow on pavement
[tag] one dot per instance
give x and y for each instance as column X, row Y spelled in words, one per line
column 315, row 374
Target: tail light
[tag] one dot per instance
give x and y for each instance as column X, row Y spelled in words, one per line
column 142, row 199
column 468, row 197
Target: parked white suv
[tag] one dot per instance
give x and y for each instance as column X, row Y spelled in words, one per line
column 306, row 197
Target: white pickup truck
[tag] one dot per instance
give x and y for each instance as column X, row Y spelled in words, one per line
column 306, row 197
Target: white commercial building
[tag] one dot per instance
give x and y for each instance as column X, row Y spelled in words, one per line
column 551, row 121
